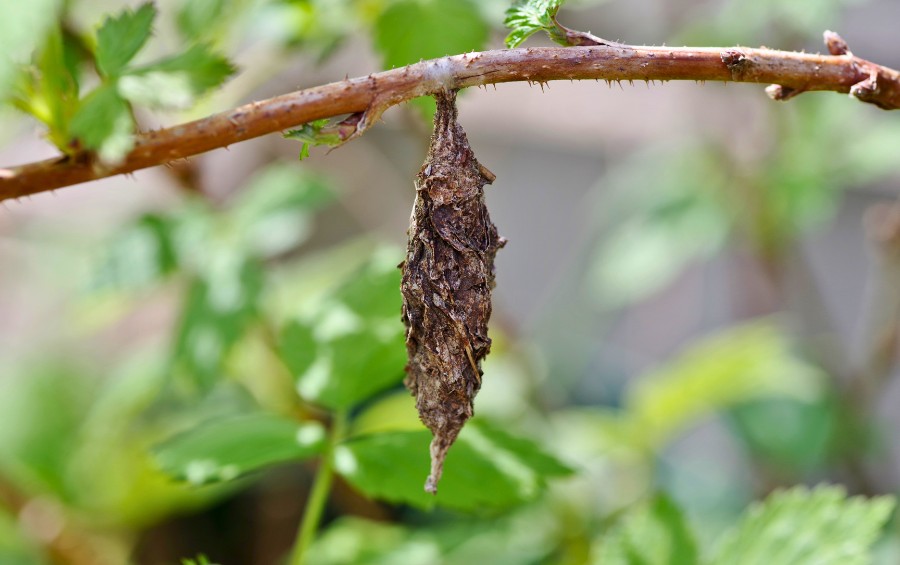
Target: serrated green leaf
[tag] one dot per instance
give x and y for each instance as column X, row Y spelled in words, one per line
column 104, row 124
column 484, row 470
column 653, row 533
column 527, row 17
column 412, row 30
column 223, row 450
column 121, row 37
column 175, row 82
column 799, row 526
column 354, row 345
column 735, row 366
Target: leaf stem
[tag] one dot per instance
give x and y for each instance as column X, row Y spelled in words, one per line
column 318, row 496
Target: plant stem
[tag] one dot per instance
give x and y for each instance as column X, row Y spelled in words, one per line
column 318, row 496
column 366, row 98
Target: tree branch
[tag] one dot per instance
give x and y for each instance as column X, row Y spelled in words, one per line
column 366, row 98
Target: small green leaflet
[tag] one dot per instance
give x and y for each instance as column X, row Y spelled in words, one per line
column 312, row 135
column 120, row 38
column 104, row 123
column 822, row 526
column 527, row 17
column 228, row 448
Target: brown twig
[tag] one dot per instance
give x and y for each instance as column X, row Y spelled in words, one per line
column 368, row 97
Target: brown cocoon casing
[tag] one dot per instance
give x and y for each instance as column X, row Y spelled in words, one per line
column 448, row 275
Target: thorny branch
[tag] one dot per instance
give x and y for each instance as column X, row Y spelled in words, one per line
column 366, row 98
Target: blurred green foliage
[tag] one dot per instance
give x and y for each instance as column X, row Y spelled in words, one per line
column 273, row 343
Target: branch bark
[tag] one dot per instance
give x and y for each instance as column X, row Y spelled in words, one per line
column 366, row 98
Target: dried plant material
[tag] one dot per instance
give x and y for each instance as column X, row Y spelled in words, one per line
column 448, row 275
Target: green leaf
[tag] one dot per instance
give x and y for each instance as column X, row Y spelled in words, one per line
column 120, row 38
column 104, row 124
column 353, row 346
column 527, row 17
column 485, row 470
column 654, row 533
column 223, row 450
column 806, row 527
column 735, row 366
column 175, row 82
column 412, row 30
column 273, row 213
column 390, row 413
column 219, row 307
column 315, row 133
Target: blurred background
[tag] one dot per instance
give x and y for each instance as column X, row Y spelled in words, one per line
column 700, row 295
